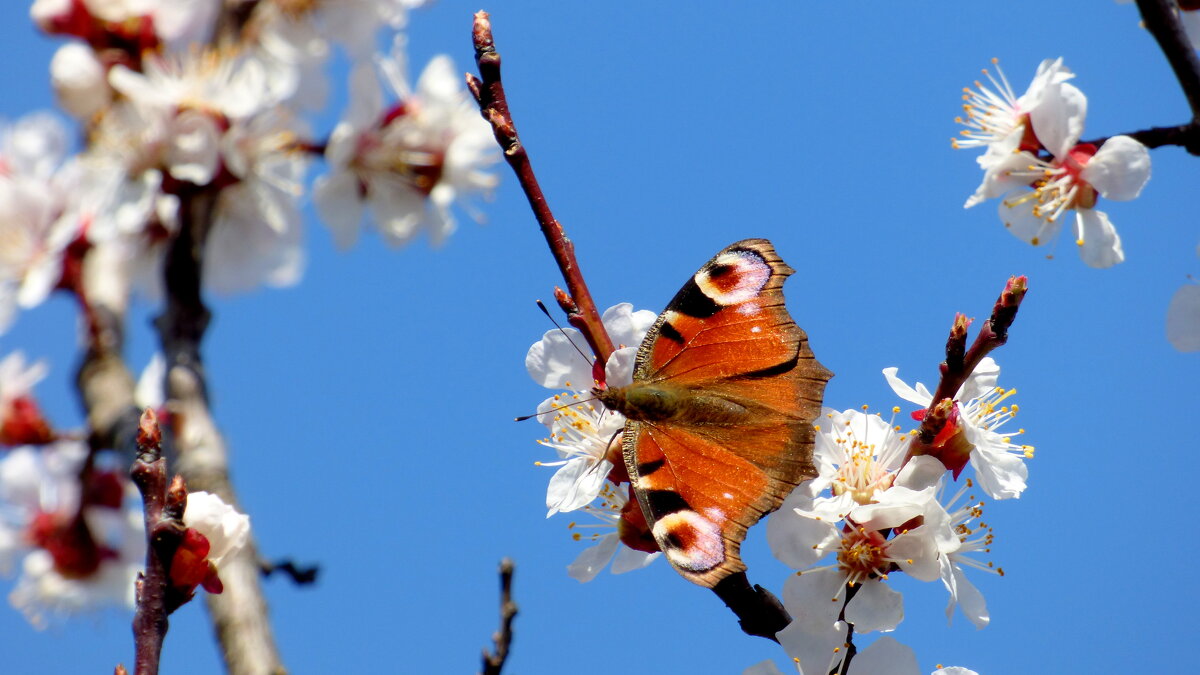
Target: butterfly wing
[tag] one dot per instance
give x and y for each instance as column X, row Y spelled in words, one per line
column 744, row 389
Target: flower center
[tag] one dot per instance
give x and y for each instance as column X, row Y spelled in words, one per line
column 863, row 555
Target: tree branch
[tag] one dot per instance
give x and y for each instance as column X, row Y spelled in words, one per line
column 239, row 614
column 493, row 662
column 1161, row 18
column 488, row 91
column 164, row 532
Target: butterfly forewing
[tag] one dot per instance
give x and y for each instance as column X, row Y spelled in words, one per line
column 744, row 390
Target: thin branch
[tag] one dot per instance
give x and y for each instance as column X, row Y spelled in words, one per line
column 759, row 612
column 1162, row 20
column 164, row 531
column 493, row 662
column 239, row 614
column 488, row 91
column 960, row 363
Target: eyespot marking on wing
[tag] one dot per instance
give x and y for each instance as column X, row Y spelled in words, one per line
column 733, row 278
column 690, row 541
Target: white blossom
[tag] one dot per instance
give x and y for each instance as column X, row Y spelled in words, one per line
column 406, row 164
column 998, row 462
column 605, row 534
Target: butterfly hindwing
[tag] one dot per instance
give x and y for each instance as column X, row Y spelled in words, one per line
column 720, row 411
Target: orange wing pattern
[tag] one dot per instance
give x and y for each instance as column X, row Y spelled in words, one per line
column 720, row 411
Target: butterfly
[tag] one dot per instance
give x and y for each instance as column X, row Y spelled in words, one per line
column 719, row 416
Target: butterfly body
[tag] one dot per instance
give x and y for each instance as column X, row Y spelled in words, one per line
column 720, row 410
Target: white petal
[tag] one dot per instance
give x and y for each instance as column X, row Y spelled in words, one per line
column 918, row 551
column 767, row 667
column 954, row 670
column 981, row 382
column 194, row 147
column 628, row 560
column 965, row 595
column 920, row 472
column 618, row 372
column 626, row 327
column 814, row 645
column 336, row 198
column 559, row 358
column 227, row 530
column 1119, row 169
column 885, row 656
column 1001, row 474
column 576, row 484
column 875, row 607
column 1183, row 319
column 1058, row 119
column 1099, row 244
column 796, row 541
column 921, row 396
column 815, row 598
column 1016, row 212
column 593, row 559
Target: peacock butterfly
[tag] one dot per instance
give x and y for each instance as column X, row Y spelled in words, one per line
column 720, row 413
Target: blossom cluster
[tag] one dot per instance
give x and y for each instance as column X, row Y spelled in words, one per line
column 1033, row 159
column 188, row 113
column 881, row 503
column 71, row 523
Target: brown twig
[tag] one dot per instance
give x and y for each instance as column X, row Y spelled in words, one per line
column 488, row 91
column 960, row 363
column 239, row 614
column 164, row 532
column 493, row 662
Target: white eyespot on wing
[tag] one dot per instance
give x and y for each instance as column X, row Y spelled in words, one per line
column 690, row 540
column 733, row 278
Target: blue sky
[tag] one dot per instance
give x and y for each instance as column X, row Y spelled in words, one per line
column 369, row 408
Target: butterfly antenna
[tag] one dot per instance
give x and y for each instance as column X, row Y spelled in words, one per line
column 545, row 311
column 556, row 408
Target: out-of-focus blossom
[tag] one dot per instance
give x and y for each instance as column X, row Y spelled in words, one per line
column 1183, row 317
column 257, row 235
column 21, row 421
column 78, row 548
column 80, row 81
column 406, row 164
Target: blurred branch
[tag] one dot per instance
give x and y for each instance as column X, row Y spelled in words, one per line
column 301, row 576
column 103, row 380
column 488, row 91
column 164, row 532
column 239, row 614
column 493, row 662
column 759, row 612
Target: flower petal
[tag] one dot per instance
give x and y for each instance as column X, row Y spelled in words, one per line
column 1099, row 244
column 1183, row 319
column 885, row 656
column 1120, row 169
column 875, row 607
column 1016, row 212
column 1058, row 119
column 593, row 559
